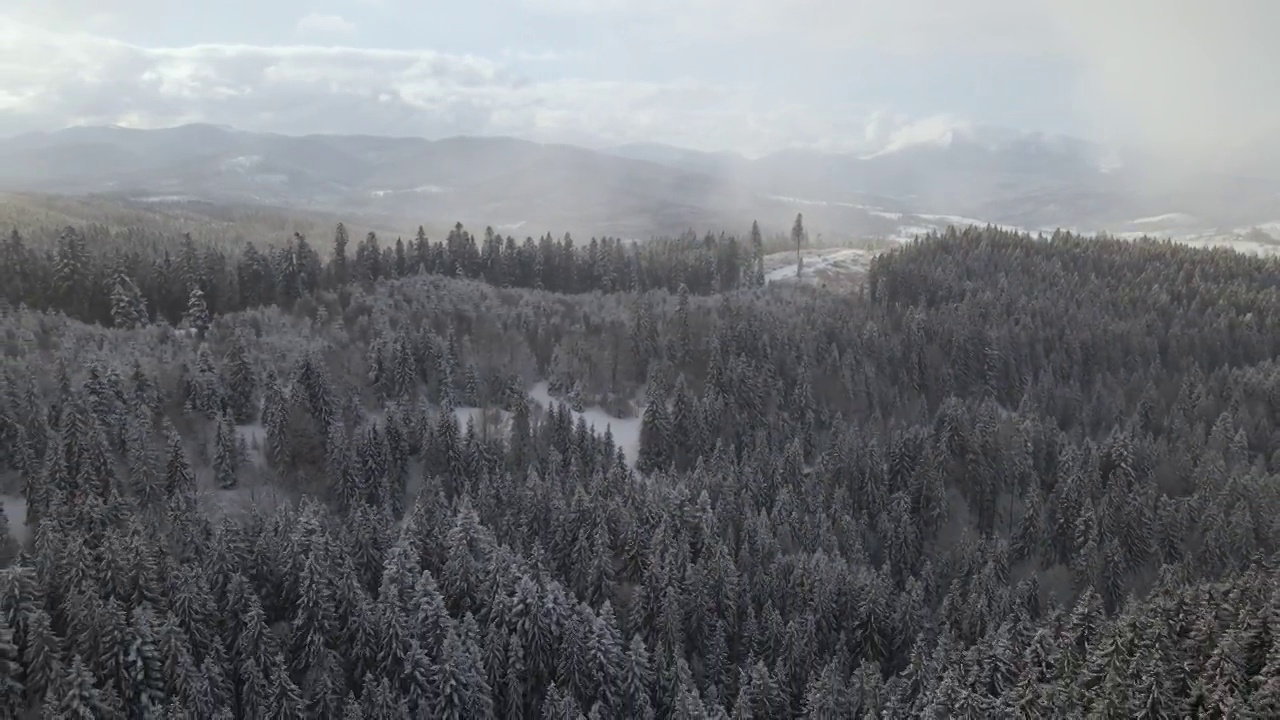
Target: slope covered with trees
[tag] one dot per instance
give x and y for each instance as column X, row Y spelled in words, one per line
column 1010, row 478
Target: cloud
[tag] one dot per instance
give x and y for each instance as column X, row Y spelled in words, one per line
column 86, row 79
column 897, row 26
column 890, row 133
column 1196, row 81
column 1193, row 82
column 536, row 56
column 319, row 24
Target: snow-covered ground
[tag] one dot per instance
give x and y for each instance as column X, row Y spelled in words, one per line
column 1239, row 244
column 1165, row 218
column 255, row 440
column 815, row 203
column 961, row 221
column 420, row 190
column 1260, row 239
column 626, row 431
column 838, row 266
column 15, row 508
column 907, row 233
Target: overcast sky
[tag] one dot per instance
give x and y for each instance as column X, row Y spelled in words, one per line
column 745, row 75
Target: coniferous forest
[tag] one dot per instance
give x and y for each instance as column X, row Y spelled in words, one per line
column 479, row 478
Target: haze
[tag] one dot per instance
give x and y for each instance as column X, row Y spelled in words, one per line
column 1186, row 80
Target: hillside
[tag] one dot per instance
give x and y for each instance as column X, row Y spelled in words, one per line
column 1020, row 180
column 1004, row 478
column 235, row 223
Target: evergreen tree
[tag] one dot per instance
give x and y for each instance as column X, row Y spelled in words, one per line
column 655, row 436
column 226, row 457
column 338, row 263
column 128, row 308
column 197, row 315
column 240, row 381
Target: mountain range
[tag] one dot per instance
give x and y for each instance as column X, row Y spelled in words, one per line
column 1031, row 181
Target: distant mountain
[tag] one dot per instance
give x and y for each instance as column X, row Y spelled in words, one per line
column 671, row 156
column 963, row 173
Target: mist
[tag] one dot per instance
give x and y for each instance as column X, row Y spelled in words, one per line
column 1194, row 85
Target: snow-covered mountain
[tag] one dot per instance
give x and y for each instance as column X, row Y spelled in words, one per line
column 913, row 179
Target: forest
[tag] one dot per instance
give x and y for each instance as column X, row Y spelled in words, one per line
column 1007, row 477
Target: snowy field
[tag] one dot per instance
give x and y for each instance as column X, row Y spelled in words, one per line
column 835, row 268
column 15, row 508
column 626, row 431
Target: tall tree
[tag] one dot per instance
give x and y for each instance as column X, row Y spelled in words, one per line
column 799, row 237
column 197, row 315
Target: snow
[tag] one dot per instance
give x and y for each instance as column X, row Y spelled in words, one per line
column 15, row 508
column 426, row 189
column 813, row 263
column 885, row 215
column 957, row 220
column 242, row 162
column 816, row 203
column 1165, row 218
column 1239, row 245
column 499, row 420
column 255, row 439
column 463, row 415
column 164, row 198
column 937, row 131
column 626, row 431
column 909, row 232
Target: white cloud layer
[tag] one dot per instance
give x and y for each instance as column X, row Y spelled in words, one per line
column 1197, row 80
column 900, row 26
column 1193, row 81
column 309, row 88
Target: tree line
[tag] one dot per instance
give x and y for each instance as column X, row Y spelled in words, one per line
column 125, row 277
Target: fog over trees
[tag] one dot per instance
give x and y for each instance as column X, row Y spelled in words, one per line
column 477, row 477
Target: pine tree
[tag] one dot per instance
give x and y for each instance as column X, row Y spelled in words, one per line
column 681, row 342
column 226, row 455
column 559, row 705
column 638, row 678
column 799, row 238
column 72, row 266
column 75, row 694
column 197, row 315
column 275, row 416
column 338, row 263
column 11, row 688
column 655, row 436
column 179, row 483
column 240, row 381
column 461, row 688
column 142, row 664
column 286, row 699
column 757, row 255
column 128, row 309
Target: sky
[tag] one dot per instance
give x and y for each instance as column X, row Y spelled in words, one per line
column 1188, row 77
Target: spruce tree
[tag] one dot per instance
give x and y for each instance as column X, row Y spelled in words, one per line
column 240, row 382
column 226, row 454
column 197, row 315
column 799, row 238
